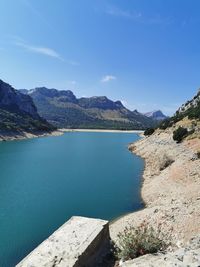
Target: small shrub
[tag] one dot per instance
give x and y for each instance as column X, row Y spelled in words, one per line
column 166, row 161
column 179, row 134
column 165, row 124
column 135, row 242
column 149, row 131
column 198, row 154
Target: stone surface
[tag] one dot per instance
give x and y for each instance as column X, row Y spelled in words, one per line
column 184, row 257
column 79, row 242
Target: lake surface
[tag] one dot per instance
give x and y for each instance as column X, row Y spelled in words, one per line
column 45, row 181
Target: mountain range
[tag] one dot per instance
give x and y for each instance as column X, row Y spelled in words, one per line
column 63, row 109
column 43, row 109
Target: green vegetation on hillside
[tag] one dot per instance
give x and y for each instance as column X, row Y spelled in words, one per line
column 73, row 117
column 185, row 123
column 179, row 134
column 149, row 131
column 19, row 122
column 191, row 113
column 18, row 113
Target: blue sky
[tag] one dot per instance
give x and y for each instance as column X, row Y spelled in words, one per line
column 145, row 53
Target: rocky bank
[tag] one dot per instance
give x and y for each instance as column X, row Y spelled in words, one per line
column 11, row 135
column 171, row 193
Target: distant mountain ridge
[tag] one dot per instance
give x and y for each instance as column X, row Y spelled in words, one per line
column 156, row 115
column 18, row 112
column 62, row 109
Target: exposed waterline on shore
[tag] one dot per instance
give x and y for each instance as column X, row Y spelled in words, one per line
column 101, row 131
column 12, row 136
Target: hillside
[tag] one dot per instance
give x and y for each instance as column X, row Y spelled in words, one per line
column 186, row 117
column 18, row 113
column 64, row 110
column 170, row 189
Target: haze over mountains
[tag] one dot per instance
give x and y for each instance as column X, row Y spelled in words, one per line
column 62, row 109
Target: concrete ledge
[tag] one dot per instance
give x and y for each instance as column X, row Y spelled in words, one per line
column 79, row 242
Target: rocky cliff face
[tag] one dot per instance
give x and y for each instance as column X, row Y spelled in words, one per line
column 13, row 100
column 64, row 110
column 18, row 113
column 43, row 92
column 187, row 116
column 190, row 104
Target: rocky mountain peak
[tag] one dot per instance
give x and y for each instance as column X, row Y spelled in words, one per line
column 119, row 104
column 43, row 92
column 156, row 115
column 101, row 102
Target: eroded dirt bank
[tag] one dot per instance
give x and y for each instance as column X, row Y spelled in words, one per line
column 171, row 187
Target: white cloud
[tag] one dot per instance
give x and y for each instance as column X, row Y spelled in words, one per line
column 108, row 78
column 40, row 50
column 117, row 12
column 138, row 16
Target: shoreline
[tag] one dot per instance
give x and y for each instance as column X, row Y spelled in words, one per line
column 15, row 136
column 170, row 195
column 12, row 136
column 101, row 130
column 113, row 221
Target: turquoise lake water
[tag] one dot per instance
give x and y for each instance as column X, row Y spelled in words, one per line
column 45, row 181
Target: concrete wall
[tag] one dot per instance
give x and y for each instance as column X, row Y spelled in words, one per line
column 79, row 242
